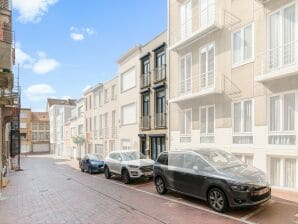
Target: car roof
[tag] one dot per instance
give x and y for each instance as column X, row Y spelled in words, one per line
column 195, row 150
column 122, row 151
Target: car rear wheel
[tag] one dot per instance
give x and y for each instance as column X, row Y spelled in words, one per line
column 160, row 185
column 107, row 172
column 125, row 177
column 217, row 200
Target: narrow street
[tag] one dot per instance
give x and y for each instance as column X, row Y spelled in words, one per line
column 48, row 190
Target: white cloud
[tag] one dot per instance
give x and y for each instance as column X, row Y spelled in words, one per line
column 22, row 58
column 45, row 65
column 79, row 34
column 32, row 10
column 39, row 92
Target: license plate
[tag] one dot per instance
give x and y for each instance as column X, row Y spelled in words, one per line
column 148, row 173
column 262, row 191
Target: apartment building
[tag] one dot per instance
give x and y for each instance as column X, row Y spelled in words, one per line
column 234, row 81
column 59, row 113
column 77, row 130
column 93, row 100
column 153, row 97
column 25, row 130
column 129, row 73
column 40, row 132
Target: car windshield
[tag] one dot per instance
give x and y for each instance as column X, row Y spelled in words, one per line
column 93, row 157
column 127, row 156
column 219, row 158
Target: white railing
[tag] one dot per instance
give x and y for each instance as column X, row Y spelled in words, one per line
column 276, row 59
column 160, row 120
column 145, row 80
column 145, row 122
column 160, row 73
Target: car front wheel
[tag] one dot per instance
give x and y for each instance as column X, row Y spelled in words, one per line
column 160, row 185
column 125, row 177
column 107, row 172
column 217, row 200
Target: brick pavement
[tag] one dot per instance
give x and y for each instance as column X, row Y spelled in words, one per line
column 48, row 191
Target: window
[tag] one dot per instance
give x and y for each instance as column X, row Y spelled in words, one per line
column 146, row 65
column 185, row 74
column 186, row 126
column 80, row 129
column 95, row 99
column 283, row 172
column 207, row 12
column 160, row 58
column 99, row 149
column 125, row 144
column 242, row 122
column 163, row 159
column 113, row 94
column 207, row 66
column 282, row 37
column 90, row 102
column 282, row 119
column 23, row 125
column 128, row 114
column 106, row 95
column 100, row 98
column 128, row 80
column 242, row 45
column 24, row 136
column 80, row 111
column 186, row 19
column 146, row 104
column 34, row 126
column 207, row 117
column 23, row 115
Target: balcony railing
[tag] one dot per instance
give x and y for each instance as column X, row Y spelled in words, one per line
column 160, row 73
column 145, row 122
column 160, row 120
column 199, row 23
column 145, row 80
column 114, row 133
column 277, row 62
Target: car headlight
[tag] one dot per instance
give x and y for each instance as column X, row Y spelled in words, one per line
column 133, row 166
column 239, row 187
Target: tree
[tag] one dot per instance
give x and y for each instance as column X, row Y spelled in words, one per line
column 79, row 141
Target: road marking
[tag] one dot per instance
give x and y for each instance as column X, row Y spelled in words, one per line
column 262, row 207
column 176, row 201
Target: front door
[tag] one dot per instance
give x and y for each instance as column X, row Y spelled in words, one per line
column 143, row 145
column 158, row 145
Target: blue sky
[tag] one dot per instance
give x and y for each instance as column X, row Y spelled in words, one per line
column 63, row 47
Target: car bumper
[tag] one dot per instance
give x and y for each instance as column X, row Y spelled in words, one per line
column 135, row 174
column 97, row 169
column 245, row 199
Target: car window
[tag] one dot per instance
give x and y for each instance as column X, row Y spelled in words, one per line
column 115, row 156
column 163, row 159
column 175, row 159
column 194, row 162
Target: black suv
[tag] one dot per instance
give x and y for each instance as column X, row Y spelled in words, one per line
column 212, row 175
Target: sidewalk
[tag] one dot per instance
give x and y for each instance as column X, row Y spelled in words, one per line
column 286, row 195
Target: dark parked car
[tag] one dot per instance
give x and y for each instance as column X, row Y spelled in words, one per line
column 212, row 175
column 91, row 163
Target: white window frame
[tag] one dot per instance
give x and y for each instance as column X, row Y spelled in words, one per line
column 127, row 141
column 243, row 156
column 206, row 48
column 209, row 16
column 184, row 32
column 185, row 137
column 242, row 61
column 207, row 134
column 281, row 131
column 185, row 70
column 242, row 133
column 281, row 45
column 122, row 118
column 134, row 82
column 282, row 170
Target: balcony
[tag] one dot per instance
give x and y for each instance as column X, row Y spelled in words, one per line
column 160, row 120
column 159, row 74
column 8, row 98
column 145, row 122
column 201, row 24
column 114, row 134
column 277, row 63
column 145, row 80
column 6, row 79
column 197, row 85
